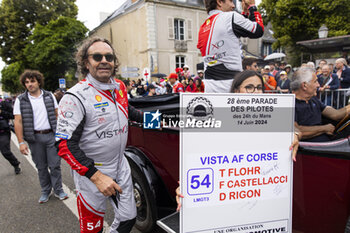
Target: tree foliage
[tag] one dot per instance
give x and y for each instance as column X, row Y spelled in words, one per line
column 10, row 77
column 298, row 20
column 52, row 48
column 19, row 17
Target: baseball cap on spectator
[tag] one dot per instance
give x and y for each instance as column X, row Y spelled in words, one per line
column 288, row 66
column 267, row 67
column 186, row 66
column 178, row 69
column 283, row 72
column 200, row 71
column 172, row 75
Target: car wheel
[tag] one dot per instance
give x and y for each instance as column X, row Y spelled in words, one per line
column 145, row 202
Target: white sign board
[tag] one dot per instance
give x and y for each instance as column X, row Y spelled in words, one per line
column 127, row 69
column 235, row 163
column 130, row 75
column 62, row 83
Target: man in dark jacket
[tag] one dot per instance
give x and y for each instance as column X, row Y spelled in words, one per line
column 5, row 134
column 329, row 82
column 343, row 72
column 283, row 84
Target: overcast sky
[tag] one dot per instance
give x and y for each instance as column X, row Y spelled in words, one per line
column 89, row 10
column 89, row 13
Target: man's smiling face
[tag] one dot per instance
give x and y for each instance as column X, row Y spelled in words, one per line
column 101, row 70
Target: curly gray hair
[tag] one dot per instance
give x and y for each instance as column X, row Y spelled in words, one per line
column 302, row 75
column 82, row 54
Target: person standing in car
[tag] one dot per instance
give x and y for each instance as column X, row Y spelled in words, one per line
column 219, row 41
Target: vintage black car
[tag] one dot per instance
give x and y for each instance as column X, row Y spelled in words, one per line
column 321, row 195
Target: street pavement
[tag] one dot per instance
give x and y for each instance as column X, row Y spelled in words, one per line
column 19, row 207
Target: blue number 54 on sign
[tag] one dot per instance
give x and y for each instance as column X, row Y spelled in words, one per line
column 200, row 181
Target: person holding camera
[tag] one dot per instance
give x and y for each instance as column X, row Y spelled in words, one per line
column 5, row 135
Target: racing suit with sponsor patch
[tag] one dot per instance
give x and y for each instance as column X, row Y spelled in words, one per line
column 219, row 43
column 91, row 134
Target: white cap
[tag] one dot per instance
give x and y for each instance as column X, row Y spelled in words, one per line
column 267, row 67
column 186, row 66
column 200, row 71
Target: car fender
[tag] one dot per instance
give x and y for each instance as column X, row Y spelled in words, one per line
column 154, row 181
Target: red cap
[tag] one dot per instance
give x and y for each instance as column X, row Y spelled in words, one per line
column 178, row 69
column 172, row 75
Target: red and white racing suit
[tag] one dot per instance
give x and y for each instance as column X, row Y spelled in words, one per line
column 92, row 133
column 178, row 87
column 219, row 43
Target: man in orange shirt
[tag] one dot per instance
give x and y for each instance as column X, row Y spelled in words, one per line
column 269, row 82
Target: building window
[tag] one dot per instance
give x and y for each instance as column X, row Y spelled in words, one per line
column 179, row 29
column 279, row 50
column 180, row 61
column 266, row 49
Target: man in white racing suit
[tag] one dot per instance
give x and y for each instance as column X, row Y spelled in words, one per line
column 91, row 136
column 219, row 43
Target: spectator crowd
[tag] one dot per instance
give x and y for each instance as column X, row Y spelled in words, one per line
column 332, row 78
column 277, row 77
column 180, row 81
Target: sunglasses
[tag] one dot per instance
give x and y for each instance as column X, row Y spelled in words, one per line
column 98, row 57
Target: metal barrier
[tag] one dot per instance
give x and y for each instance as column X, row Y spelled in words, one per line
column 275, row 92
column 335, row 98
